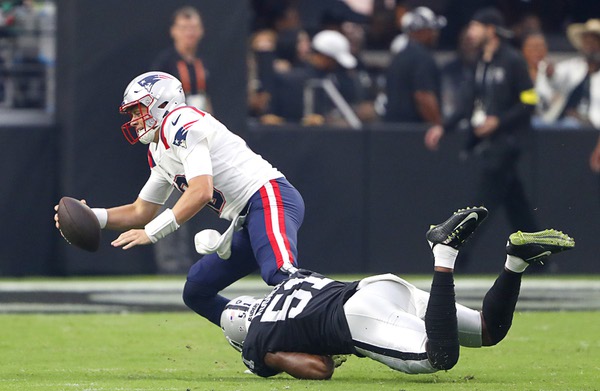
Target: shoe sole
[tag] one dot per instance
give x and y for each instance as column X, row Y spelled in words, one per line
column 548, row 237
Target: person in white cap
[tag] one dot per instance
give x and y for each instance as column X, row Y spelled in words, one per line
column 330, row 59
column 334, row 45
column 413, row 77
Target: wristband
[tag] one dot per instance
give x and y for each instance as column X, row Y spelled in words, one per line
column 161, row 226
column 101, row 215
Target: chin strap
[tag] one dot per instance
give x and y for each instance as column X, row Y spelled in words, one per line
column 148, row 137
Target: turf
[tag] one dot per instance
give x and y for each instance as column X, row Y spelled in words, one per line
column 181, row 351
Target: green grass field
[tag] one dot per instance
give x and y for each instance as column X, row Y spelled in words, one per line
column 181, row 351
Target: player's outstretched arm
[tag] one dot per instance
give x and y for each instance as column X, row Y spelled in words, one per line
column 134, row 215
column 301, row 365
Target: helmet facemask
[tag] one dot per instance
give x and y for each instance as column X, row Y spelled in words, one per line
column 145, row 135
column 149, row 98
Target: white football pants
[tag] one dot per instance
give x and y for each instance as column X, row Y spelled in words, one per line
column 386, row 319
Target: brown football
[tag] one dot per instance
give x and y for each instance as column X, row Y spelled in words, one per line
column 78, row 224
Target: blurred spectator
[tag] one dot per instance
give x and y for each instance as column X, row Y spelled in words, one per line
column 366, row 76
column 28, row 70
column 181, row 59
column 535, row 51
column 527, row 24
column 577, row 80
column 277, row 46
column 582, row 77
column 309, row 15
column 382, row 26
column 498, row 101
column 364, row 7
column 413, row 77
column 275, row 55
column 457, row 72
column 317, row 15
column 299, row 93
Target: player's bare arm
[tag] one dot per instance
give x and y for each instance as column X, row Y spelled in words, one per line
column 198, row 193
column 301, row 365
column 129, row 216
column 125, row 217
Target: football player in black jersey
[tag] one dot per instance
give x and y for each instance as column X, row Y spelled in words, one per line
column 309, row 318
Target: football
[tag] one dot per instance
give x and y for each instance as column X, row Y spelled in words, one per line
column 78, row 224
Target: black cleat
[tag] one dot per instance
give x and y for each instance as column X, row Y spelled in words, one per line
column 455, row 231
column 536, row 247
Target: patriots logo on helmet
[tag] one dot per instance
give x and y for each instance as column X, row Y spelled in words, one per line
column 149, row 81
column 180, row 139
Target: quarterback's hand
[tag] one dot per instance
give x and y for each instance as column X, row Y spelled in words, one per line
column 56, row 222
column 131, row 238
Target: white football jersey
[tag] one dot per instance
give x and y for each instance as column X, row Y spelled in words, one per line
column 193, row 143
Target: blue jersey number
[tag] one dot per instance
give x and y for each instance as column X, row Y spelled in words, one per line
column 218, row 201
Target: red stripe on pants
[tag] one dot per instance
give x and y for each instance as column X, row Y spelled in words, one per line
column 276, row 213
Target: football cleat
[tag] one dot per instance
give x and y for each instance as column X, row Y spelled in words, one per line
column 535, row 247
column 455, row 231
column 339, row 359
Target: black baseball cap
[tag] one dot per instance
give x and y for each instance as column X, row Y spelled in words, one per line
column 491, row 16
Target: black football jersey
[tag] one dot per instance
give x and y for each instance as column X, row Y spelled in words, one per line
column 303, row 314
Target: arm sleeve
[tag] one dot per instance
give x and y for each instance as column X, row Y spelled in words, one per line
column 156, row 190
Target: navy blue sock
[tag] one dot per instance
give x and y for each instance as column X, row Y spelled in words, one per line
column 441, row 324
column 499, row 306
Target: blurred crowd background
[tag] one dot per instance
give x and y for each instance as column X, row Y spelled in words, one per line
column 27, row 54
column 285, row 51
column 286, row 48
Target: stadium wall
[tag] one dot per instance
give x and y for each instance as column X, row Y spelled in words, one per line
column 370, row 194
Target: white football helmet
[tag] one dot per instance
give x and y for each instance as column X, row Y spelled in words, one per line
column 160, row 93
column 236, row 318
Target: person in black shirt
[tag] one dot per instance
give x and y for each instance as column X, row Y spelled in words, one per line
column 498, row 102
column 413, row 78
column 181, row 60
column 309, row 318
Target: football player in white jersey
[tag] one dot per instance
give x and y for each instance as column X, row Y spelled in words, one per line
column 189, row 150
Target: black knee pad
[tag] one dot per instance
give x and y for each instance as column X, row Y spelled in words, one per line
column 443, row 357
